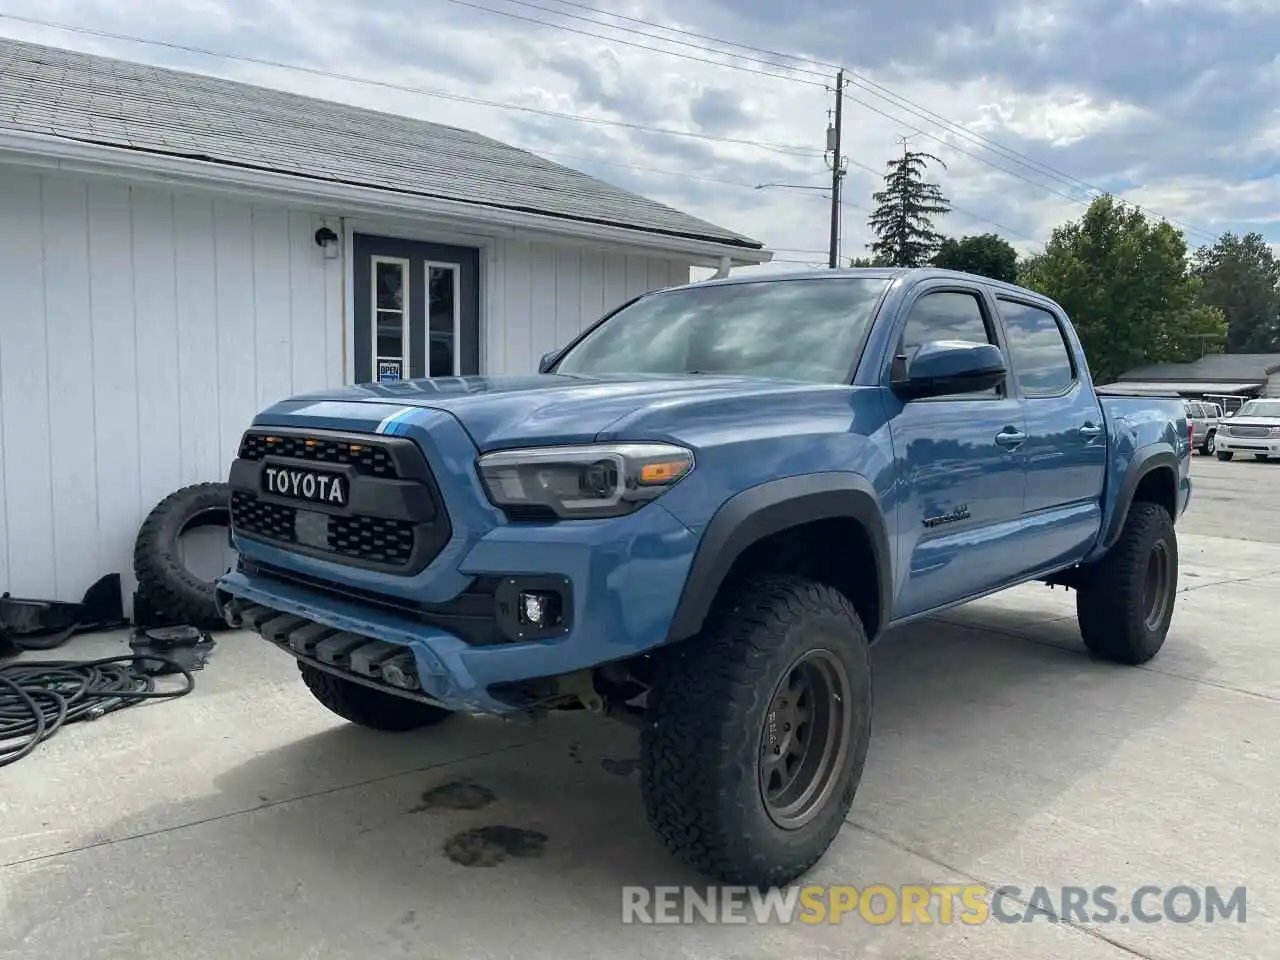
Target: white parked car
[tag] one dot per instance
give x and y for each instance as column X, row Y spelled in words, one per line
column 1254, row 429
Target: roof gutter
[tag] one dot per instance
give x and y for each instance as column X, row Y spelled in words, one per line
column 93, row 159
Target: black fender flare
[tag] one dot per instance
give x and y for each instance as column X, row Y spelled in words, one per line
column 1142, row 465
column 770, row 508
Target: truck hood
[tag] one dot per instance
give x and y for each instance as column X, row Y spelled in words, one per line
column 503, row 412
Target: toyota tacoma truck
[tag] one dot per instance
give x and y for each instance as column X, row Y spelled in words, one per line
column 696, row 517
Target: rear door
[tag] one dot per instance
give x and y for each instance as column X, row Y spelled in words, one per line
column 960, row 462
column 1066, row 451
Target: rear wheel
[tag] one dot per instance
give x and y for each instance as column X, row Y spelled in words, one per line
column 366, row 706
column 1210, row 444
column 1125, row 602
column 760, row 733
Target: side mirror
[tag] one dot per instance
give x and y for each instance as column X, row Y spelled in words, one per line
column 941, row 367
column 547, row 360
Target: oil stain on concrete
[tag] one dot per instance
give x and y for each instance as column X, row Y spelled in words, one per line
column 489, row 846
column 456, row 795
column 622, row 767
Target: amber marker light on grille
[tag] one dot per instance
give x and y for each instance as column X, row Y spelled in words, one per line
column 663, row 472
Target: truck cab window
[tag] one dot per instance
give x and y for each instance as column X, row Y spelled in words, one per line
column 1039, row 354
column 947, row 315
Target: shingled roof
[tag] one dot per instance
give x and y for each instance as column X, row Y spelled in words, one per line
column 99, row 100
column 1215, row 368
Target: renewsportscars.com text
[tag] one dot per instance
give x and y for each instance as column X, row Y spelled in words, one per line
column 969, row 904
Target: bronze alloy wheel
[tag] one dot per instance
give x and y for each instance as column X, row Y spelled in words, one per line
column 1155, row 585
column 805, row 740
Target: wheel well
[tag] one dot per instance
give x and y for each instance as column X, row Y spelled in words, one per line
column 835, row 551
column 1159, row 486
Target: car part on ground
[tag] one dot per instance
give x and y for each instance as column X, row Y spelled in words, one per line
column 165, row 581
column 164, row 649
column 29, row 624
column 40, row 697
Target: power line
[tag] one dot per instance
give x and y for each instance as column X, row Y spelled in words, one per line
column 783, row 148
column 875, row 89
column 629, row 43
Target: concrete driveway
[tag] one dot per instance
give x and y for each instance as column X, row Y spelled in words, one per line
column 245, row 821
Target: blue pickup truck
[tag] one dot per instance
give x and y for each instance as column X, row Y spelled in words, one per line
column 696, row 517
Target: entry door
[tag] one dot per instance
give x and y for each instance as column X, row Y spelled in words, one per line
column 417, row 309
column 963, row 472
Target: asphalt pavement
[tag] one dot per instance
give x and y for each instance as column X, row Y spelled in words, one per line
column 245, row 821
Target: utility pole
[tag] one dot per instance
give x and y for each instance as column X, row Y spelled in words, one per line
column 837, row 173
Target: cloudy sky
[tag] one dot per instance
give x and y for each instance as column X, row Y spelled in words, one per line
column 1173, row 104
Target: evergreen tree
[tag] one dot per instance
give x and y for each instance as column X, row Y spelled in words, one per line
column 905, row 208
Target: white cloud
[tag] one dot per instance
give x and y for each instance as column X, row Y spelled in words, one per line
column 454, row 50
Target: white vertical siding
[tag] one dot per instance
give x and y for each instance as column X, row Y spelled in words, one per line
column 1272, row 388
column 140, row 331
column 541, row 295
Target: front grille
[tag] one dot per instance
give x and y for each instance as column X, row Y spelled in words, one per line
column 1246, row 431
column 391, row 518
column 366, row 458
column 373, row 539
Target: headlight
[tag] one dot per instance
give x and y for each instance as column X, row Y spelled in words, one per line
column 596, row 480
column 1274, row 432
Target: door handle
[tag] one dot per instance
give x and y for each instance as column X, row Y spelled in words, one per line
column 1090, row 430
column 1009, row 437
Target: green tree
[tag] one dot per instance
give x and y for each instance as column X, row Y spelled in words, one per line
column 868, row 262
column 1241, row 277
column 905, row 208
column 1124, row 282
column 987, row 255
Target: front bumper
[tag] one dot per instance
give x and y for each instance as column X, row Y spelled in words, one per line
column 623, row 578
column 1265, row 445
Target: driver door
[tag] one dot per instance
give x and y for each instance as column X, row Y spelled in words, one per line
column 960, row 464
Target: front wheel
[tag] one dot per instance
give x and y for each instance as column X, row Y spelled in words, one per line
column 1225, row 454
column 1125, row 601
column 368, row 707
column 760, row 732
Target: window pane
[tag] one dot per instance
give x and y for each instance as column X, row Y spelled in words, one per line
column 390, row 345
column 440, row 321
column 790, row 329
column 388, row 280
column 1039, row 353
column 944, row 316
column 948, row 315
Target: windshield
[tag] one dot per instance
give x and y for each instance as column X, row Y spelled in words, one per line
column 1260, row 408
column 786, row 329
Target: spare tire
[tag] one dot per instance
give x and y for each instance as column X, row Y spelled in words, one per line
column 172, row 588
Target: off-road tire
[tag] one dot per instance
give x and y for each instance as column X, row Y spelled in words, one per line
column 368, row 707
column 1111, row 603
column 1225, row 454
column 162, row 576
column 709, row 700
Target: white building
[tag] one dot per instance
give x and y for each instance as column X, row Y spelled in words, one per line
column 178, row 251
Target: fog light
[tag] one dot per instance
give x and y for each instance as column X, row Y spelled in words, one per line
column 539, row 608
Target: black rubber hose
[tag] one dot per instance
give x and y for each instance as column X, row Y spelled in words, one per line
column 39, row 697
